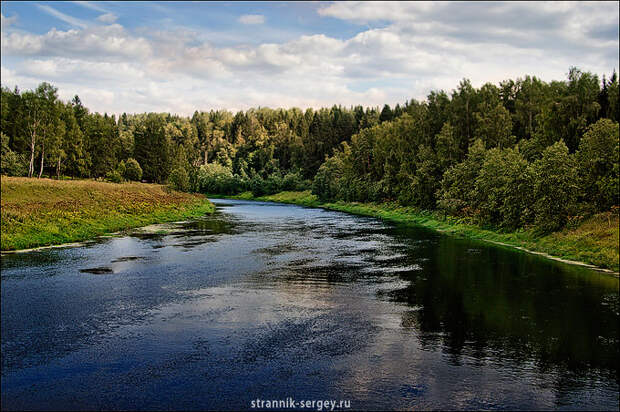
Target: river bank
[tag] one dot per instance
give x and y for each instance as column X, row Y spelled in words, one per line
column 42, row 212
column 593, row 243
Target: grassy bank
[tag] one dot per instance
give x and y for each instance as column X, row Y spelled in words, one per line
column 594, row 241
column 40, row 212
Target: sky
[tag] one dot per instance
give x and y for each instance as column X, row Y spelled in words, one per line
column 179, row 57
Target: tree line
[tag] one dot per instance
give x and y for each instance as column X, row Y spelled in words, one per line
column 522, row 152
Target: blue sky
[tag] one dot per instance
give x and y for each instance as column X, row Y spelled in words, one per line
column 219, row 20
column 182, row 56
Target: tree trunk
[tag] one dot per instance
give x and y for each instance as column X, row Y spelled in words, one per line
column 31, row 167
column 58, row 169
column 206, row 153
column 467, row 119
column 42, row 154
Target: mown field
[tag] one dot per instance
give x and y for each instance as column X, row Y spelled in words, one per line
column 39, row 212
column 594, row 241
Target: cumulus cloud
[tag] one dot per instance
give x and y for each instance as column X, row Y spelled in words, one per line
column 252, row 19
column 95, row 42
column 408, row 49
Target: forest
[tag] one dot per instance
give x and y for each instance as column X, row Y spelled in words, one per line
column 523, row 153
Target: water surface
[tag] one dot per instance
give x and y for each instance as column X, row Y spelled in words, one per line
column 272, row 301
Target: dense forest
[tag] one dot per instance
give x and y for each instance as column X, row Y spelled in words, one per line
column 518, row 154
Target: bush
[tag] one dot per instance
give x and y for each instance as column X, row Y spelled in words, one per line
column 133, row 171
column 257, row 186
column 356, row 189
column 179, row 179
column 120, row 168
column 114, row 176
column 213, row 178
column 293, row 181
column 12, row 163
column 327, row 182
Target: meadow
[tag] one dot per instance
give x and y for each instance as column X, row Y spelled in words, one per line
column 40, row 212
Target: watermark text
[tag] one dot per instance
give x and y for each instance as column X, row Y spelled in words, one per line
column 290, row 403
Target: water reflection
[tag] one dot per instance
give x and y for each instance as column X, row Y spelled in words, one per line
column 266, row 300
column 516, row 306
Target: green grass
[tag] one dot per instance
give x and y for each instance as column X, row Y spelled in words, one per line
column 41, row 212
column 594, row 241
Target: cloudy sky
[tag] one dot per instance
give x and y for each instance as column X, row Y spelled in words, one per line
column 178, row 57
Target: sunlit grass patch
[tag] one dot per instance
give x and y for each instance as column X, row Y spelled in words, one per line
column 39, row 212
column 305, row 198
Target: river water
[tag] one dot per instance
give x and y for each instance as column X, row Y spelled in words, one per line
column 269, row 301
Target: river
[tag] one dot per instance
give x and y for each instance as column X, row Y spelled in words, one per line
column 270, row 301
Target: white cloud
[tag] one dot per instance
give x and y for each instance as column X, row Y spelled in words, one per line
column 95, row 42
column 415, row 48
column 252, row 19
column 107, row 18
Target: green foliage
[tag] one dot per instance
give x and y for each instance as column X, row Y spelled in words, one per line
column 152, row 148
column 456, row 195
column 327, row 182
column 469, row 152
column 121, row 168
column 555, row 187
column 447, row 146
column 426, row 179
column 179, row 179
column 11, row 163
column 293, row 181
column 215, row 178
column 598, row 163
column 275, row 183
column 114, row 176
column 495, row 126
column 133, row 171
column 502, row 189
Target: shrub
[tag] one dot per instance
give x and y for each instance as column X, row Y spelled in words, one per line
column 114, row 176
column 120, row 168
column 327, row 182
column 133, row 171
column 215, row 178
column 293, row 181
column 12, row 163
column 179, row 179
column 257, row 186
